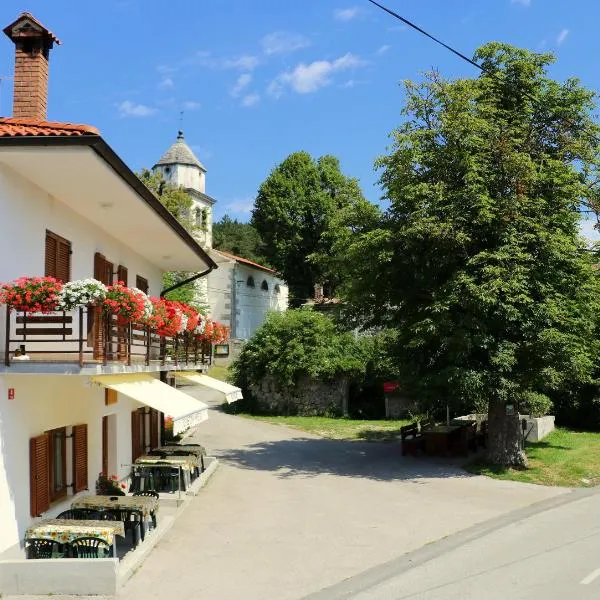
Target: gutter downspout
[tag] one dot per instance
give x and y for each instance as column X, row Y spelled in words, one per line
column 186, row 281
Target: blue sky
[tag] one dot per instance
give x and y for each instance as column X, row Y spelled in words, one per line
column 258, row 80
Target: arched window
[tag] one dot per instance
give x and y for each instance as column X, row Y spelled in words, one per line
column 250, row 281
column 277, row 289
column 198, row 217
column 264, row 285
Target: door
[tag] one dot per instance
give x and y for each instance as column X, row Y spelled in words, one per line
column 102, row 272
column 105, row 446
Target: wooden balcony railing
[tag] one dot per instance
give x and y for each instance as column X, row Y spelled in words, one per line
column 90, row 336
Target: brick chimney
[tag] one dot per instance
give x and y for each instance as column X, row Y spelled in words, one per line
column 33, row 43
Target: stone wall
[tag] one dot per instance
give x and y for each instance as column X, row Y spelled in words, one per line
column 309, row 397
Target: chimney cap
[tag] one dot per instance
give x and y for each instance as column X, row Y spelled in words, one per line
column 27, row 26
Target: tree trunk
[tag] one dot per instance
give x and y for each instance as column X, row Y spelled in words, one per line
column 505, row 440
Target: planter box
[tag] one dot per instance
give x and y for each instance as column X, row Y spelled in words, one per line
column 536, row 428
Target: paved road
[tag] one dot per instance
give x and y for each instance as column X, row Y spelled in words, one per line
column 553, row 555
column 288, row 514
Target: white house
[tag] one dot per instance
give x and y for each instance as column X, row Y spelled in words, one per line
column 240, row 292
column 89, row 400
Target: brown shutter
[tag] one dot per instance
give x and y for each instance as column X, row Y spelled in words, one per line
column 135, row 435
column 122, row 274
column 141, row 283
column 63, row 261
column 153, row 428
column 103, row 273
column 105, row 446
column 80, row 458
column 39, row 474
column 50, row 260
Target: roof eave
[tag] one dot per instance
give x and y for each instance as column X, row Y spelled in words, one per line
column 112, row 159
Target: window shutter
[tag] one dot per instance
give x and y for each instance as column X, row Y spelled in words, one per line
column 50, row 259
column 135, row 435
column 141, row 283
column 63, row 261
column 102, row 269
column 122, row 274
column 153, row 428
column 80, row 458
column 39, row 474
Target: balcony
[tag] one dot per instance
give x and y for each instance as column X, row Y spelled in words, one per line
column 91, row 340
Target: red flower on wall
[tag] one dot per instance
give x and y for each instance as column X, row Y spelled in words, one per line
column 31, row 294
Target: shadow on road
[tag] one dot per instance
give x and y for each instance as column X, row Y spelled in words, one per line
column 309, row 457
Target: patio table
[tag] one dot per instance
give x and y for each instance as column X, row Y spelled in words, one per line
column 144, row 504
column 198, row 451
column 440, row 439
column 188, row 465
column 64, row 531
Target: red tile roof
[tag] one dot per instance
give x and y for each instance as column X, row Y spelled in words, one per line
column 245, row 261
column 21, row 127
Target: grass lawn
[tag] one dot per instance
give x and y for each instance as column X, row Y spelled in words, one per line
column 218, row 373
column 340, row 429
column 564, row 458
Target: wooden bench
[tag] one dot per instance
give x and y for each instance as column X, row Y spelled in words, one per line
column 412, row 439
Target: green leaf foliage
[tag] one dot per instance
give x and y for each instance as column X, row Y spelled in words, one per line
column 478, row 262
column 294, row 343
column 241, row 239
column 295, row 209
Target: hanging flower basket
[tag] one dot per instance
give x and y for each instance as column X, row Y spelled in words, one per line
column 124, row 303
column 85, row 292
column 166, row 317
column 31, row 294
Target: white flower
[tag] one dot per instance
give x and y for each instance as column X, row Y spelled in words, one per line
column 81, row 293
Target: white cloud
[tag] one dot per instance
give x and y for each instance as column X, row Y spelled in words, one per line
column 305, row 79
column 250, row 100
column 242, row 82
column 346, row 14
column 127, row 108
column 206, row 59
column 240, row 205
column 588, row 231
column 166, row 84
column 562, row 36
column 166, row 69
column 191, row 105
column 521, row 2
column 282, row 42
column 383, row 49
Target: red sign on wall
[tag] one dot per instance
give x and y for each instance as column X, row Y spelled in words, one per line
column 11, row 393
column 391, row 386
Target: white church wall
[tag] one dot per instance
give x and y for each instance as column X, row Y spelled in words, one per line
column 220, row 293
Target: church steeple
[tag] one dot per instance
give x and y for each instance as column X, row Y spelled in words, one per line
column 180, row 167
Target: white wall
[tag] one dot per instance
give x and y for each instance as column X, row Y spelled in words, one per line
column 187, row 176
column 30, row 211
column 41, row 403
column 219, row 291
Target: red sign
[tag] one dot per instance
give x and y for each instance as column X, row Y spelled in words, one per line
column 391, row 386
column 11, row 393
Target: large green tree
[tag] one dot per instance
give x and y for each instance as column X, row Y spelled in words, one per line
column 293, row 213
column 241, row 239
column 478, row 263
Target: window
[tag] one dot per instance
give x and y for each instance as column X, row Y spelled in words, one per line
column 141, row 283
column 250, row 281
column 122, row 274
column 198, row 217
column 58, row 463
column 58, row 257
column 277, row 289
column 48, row 472
column 264, row 285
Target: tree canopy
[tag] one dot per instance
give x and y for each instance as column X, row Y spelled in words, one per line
column 241, row 239
column 478, row 263
column 295, row 209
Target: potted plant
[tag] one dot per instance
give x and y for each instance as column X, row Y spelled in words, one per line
column 124, row 302
column 31, row 294
column 84, row 292
column 110, row 486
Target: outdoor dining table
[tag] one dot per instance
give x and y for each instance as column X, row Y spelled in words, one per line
column 144, row 504
column 64, row 531
column 197, row 451
column 187, row 464
column 441, row 440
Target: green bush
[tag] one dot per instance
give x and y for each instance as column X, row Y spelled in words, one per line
column 295, row 343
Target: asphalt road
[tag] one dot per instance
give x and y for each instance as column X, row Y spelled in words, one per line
column 552, row 554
